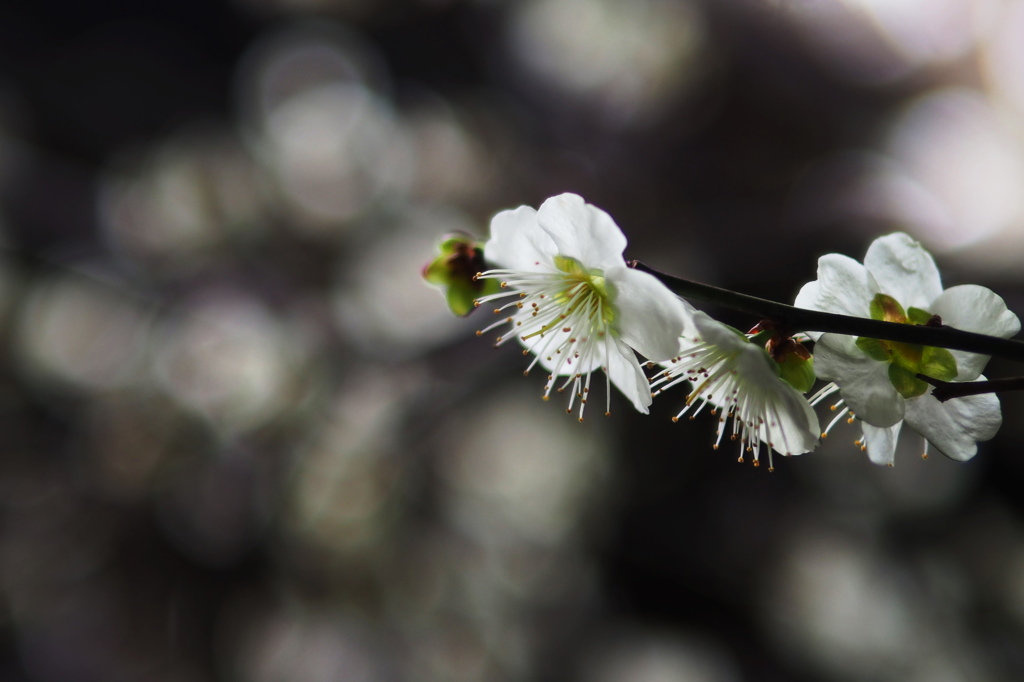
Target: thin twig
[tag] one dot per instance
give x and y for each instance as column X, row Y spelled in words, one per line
column 802, row 320
column 947, row 390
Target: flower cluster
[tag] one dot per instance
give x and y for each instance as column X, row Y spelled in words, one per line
column 557, row 281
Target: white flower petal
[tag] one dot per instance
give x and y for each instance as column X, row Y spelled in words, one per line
column 582, row 231
column 790, row 424
column 881, row 442
column 624, row 371
column 864, row 382
column 904, row 270
column 974, row 308
column 518, row 243
column 649, row 317
column 843, row 286
column 807, row 297
column 721, row 335
column 954, row 426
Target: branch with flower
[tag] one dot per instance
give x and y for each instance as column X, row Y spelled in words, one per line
column 894, row 345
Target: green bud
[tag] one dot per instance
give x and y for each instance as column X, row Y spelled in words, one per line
column 454, row 272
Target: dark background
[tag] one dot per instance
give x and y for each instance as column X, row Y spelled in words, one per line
column 242, row 441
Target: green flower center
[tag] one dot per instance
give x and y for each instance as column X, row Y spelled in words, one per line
column 586, row 292
column 581, row 303
column 907, row 360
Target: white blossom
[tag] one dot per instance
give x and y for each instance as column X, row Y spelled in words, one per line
column 742, row 384
column 898, row 270
column 570, row 299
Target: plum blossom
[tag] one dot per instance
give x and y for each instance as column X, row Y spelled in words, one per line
column 742, row 383
column 877, row 380
column 569, row 298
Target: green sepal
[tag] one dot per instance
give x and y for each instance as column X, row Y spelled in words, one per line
column 437, row 272
column 797, row 372
column 906, row 382
column 938, row 363
column 887, row 309
column 918, row 316
column 874, row 349
column 461, row 296
column 454, row 270
column 906, row 355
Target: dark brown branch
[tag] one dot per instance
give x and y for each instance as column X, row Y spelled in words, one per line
column 803, row 320
column 947, row 390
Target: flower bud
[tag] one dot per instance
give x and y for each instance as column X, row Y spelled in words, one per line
column 454, row 272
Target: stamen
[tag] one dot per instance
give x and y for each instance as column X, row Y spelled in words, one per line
column 719, row 377
column 823, row 393
column 548, row 307
column 835, row 420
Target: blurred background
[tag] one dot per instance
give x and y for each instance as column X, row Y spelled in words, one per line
column 241, row 440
